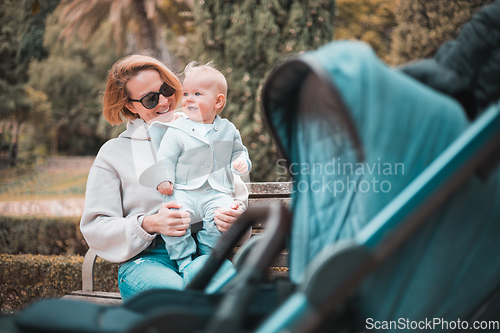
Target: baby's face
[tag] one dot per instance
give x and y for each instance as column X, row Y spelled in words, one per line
column 199, row 98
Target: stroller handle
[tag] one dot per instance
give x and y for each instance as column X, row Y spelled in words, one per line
column 240, row 291
column 278, row 226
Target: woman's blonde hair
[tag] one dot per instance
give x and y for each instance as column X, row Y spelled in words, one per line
column 116, row 96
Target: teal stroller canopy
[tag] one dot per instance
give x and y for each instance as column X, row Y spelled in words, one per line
column 355, row 133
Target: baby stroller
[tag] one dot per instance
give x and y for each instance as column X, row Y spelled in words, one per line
column 395, row 209
column 415, row 253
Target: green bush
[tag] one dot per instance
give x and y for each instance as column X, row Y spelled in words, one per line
column 27, row 278
column 41, row 235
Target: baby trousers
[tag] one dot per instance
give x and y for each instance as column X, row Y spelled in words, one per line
column 201, row 204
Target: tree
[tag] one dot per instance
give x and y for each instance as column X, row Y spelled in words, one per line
column 72, row 77
column 21, row 38
column 371, row 21
column 145, row 19
column 246, row 40
column 424, row 25
column 34, row 143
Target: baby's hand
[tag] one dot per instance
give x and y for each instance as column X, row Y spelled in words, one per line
column 240, row 165
column 178, row 115
column 166, row 188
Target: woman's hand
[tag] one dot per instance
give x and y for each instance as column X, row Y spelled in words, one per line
column 168, row 222
column 224, row 217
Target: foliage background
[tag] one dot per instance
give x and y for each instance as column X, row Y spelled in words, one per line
column 247, row 39
column 21, row 41
column 424, row 25
column 53, row 64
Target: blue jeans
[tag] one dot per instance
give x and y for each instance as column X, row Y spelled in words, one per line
column 153, row 269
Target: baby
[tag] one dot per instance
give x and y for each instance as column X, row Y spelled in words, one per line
column 201, row 153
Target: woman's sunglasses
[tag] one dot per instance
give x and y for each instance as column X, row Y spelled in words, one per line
column 151, row 100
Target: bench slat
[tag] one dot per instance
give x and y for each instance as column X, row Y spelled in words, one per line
column 103, row 294
column 97, row 297
column 276, row 190
column 285, row 201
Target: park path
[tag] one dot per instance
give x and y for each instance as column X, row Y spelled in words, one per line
column 59, row 207
column 56, row 207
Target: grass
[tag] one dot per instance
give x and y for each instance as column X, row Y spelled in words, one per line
column 42, row 184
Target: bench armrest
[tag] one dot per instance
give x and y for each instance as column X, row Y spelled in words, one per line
column 88, row 270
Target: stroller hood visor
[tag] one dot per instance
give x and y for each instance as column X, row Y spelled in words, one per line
column 300, row 90
column 355, row 133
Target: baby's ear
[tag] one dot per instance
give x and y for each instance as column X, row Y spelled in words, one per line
column 220, row 101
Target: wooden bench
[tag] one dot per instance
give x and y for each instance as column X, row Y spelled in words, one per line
column 258, row 192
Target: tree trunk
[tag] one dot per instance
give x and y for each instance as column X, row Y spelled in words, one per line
column 14, row 148
column 146, row 31
column 54, row 143
column 3, row 143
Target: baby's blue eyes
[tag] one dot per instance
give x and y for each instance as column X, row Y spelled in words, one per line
column 196, row 94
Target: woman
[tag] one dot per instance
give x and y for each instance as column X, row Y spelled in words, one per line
column 122, row 219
